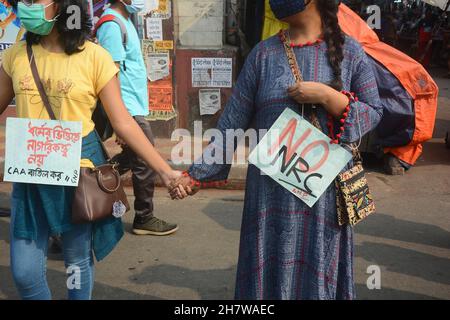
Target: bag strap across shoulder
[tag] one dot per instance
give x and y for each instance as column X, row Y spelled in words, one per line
column 38, row 82
column 293, row 64
column 292, row 60
column 44, row 96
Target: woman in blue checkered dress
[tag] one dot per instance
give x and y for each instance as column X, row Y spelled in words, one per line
column 288, row 250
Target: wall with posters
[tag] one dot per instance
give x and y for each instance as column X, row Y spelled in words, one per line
column 205, row 66
column 155, row 28
column 156, row 24
column 204, row 83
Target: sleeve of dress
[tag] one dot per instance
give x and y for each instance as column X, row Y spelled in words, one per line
column 365, row 109
column 238, row 114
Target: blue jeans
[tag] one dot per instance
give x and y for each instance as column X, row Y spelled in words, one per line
column 29, row 261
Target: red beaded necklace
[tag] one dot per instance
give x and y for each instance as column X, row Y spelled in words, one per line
column 307, row 44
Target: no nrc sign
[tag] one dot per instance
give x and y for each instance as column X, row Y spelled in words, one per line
column 299, row 157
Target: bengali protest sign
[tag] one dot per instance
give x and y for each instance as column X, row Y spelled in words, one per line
column 42, row 151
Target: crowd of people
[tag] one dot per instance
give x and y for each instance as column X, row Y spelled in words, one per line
column 418, row 29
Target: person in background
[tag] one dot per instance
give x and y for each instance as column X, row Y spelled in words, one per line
column 425, row 26
column 133, row 83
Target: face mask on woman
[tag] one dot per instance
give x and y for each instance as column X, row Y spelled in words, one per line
column 33, row 18
column 135, row 6
column 286, row 8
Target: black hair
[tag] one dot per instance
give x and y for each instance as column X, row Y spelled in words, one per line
column 71, row 39
column 333, row 37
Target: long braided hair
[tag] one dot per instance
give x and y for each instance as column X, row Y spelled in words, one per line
column 333, row 37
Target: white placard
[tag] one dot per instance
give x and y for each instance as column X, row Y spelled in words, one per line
column 154, row 29
column 209, row 101
column 299, row 157
column 43, row 151
column 212, row 72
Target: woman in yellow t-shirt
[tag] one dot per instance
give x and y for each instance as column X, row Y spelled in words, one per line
column 75, row 73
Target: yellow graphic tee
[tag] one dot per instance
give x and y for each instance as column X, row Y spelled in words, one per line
column 72, row 82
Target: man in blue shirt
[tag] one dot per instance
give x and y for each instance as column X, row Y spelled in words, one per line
column 133, row 81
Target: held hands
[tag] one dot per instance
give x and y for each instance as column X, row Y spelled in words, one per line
column 178, row 186
column 182, row 188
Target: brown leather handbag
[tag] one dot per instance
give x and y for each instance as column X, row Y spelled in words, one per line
column 100, row 193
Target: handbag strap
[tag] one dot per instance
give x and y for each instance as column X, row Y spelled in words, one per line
column 293, row 64
column 38, row 82
column 44, row 96
column 292, row 60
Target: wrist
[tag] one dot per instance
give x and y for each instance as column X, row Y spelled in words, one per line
column 165, row 172
column 328, row 95
column 202, row 185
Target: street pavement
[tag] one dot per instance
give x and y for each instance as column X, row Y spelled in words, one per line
column 408, row 239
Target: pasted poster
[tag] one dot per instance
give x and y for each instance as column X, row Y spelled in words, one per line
column 154, row 29
column 163, row 10
column 151, row 5
column 299, row 157
column 161, row 102
column 158, row 58
column 158, row 65
column 159, row 72
column 212, row 72
column 157, row 61
column 209, row 101
column 10, row 29
column 163, row 45
column 42, row 151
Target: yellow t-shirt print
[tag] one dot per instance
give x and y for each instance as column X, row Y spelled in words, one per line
column 72, row 83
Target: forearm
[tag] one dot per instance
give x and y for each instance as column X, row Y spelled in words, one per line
column 127, row 129
column 334, row 102
column 133, row 136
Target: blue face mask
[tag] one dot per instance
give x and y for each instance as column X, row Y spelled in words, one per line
column 286, row 8
column 135, row 6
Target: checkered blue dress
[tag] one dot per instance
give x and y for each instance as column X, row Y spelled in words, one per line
column 288, row 250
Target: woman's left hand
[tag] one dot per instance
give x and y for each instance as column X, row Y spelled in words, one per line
column 309, row 92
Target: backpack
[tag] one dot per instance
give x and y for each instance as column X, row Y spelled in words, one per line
column 102, row 123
